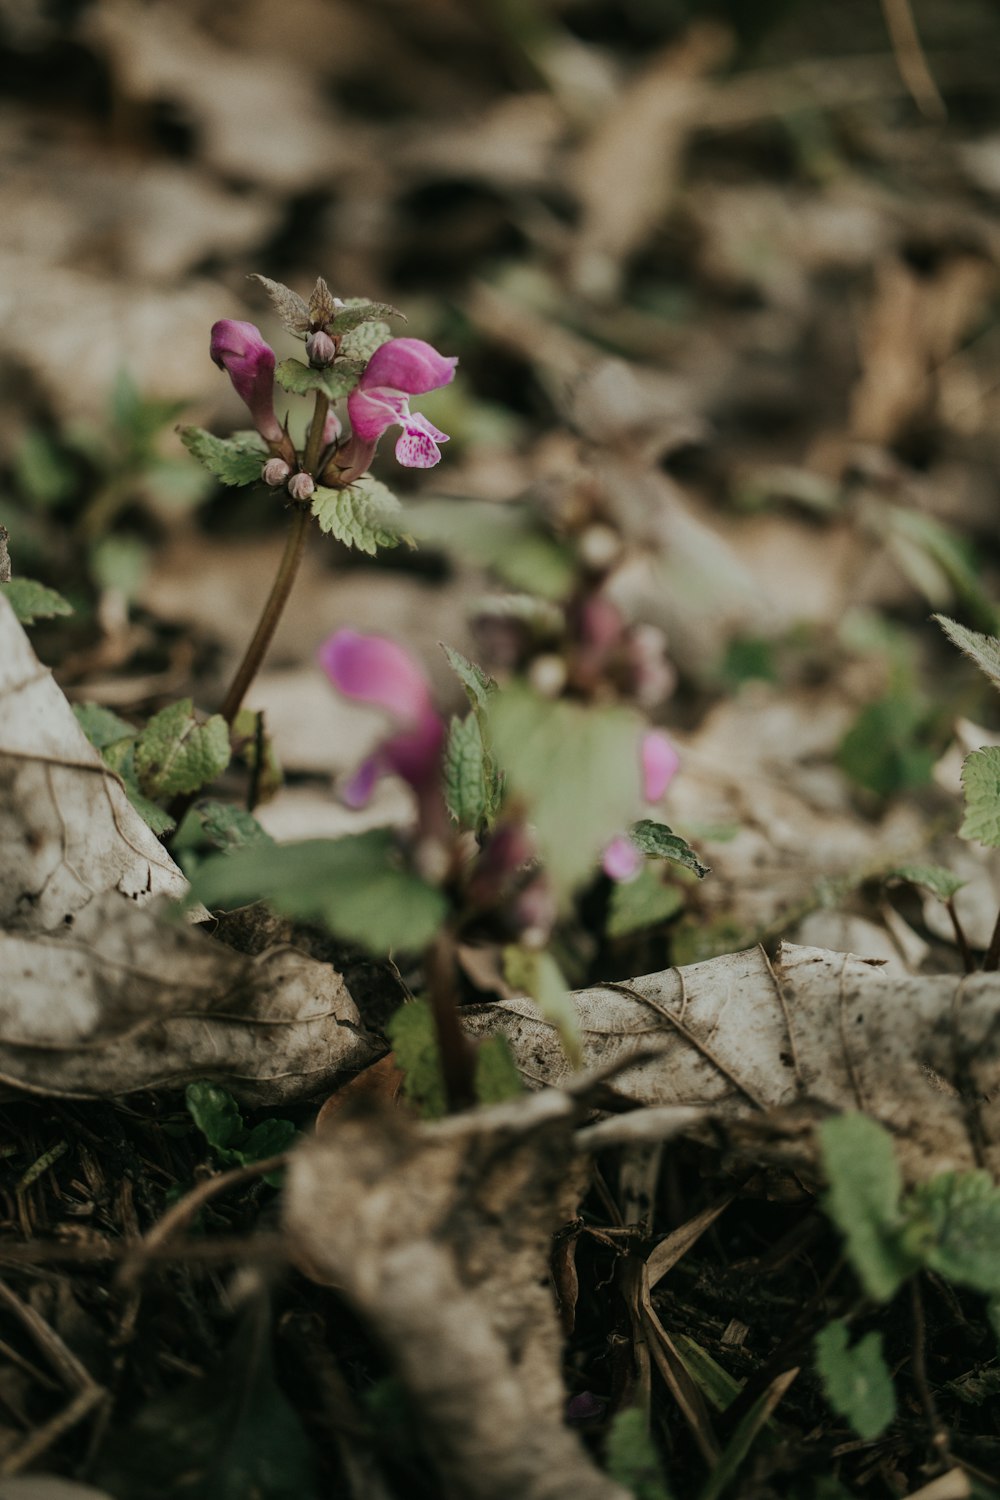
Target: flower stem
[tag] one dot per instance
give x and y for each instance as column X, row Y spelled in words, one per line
column 457, row 1062
column 282, row 585
column 270, row 615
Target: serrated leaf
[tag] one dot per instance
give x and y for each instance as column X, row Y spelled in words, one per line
column 575, row 767
column 174, row 753
column 233, row 461
column 361, row 342
column 497, row 1078
column 644, row 902
column 660, row 841
column 464, row 774
column 322, row 303
column 955, row 1222
column 933, row 878
column 290, row 307
column 357, row 886
column 631, row 1458
column 413, row 1038
column 538, row 975
column 365, row 515
column 981, row 785
column 856, row 1380
column 863, row 1201
column 229, row 827
column 101, row 726
column 216, row 1114
column 334, row 380
column 120, row 756
column 357, row 311
column 478, row 684
column 984, row 650
column 32, row 601
column 511, row 539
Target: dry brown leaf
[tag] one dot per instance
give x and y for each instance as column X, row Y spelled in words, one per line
column 627, row 171
column 440, row 1237
column 766, row 1051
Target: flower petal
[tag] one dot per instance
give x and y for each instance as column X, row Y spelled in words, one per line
column 240, row 350
column 660, row 763
column 621, row 860
column 417, row 448
column 408, row 365
column 372, row 411
column 357, row 791
column 373, row 669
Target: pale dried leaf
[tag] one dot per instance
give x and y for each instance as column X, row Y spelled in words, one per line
column 768, row 1051
column 128, row 999
column 440, row 1236
column 67, row 828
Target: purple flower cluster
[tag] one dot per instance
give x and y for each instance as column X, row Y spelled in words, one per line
column 398, row 369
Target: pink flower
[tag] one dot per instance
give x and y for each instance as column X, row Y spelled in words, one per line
column 373, row 669
column 659, row 761
column 239, row 349
column 396, row 371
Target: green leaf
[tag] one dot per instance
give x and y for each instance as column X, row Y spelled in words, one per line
column 358, row 886
column 216, row 1114
column 41, row 471
column 863, row 1201
column 497, row 1078
column 334, row 380
column 981, row 785
column 356, row 311
column 933, row 878
column 366, row 515
column 121, row 562
column 269, row 1138
column 882, row 750
column 510, row 539
column 235, row 460
column 631, row 1458
column 226, row 826
column 984, row 650
column 120, row 756
column 362, row 342
column 661, row 842
column 465, row 787
column 577, row 770
column 226, row 1436
column 478, row 684
column 954, row 1222
column 101, row 726
column 292, row 309
column 174, row 753
column 32, row 601
column 413, row 1037
column 857, row 1381
column 538, row 975
column 641, row 903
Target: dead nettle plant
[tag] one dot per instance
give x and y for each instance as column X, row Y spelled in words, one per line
column 518, row 804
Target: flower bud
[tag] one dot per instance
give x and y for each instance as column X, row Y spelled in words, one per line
column 320, row 349
column 275, row 472
column 547, row 675
column 301, row 486
column 600, row 547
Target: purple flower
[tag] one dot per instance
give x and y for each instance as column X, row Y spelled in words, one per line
column 659, row 761
column 396, row 371
column 373, row 669
column 239, row 349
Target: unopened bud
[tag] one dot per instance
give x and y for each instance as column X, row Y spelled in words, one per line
column 600, row 547
column 547, row 675
column 320, row 349
column 301, row 486
column 275, row 472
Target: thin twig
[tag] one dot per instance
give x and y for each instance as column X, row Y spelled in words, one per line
column 938, row 1432
column 968, row 962
column 457, row 1064
column 911, row 59
column 992, row 960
